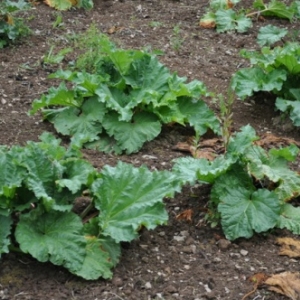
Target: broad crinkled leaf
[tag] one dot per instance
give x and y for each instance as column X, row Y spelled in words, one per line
column 55, row 237
column 224, row 184
column 61, row 4
column 292, row 107
column 131, row 136
column 105, row 144
column 222, row 4
column 11, row 175
column 228, row 20
column 87, row 121
column 79, row 173
column 130, row 198
column 97, row 262
column 189, row 170
column 275, row 169
column 5, row 230
column 249, row 80
column 198, row 115
column 290, row 218
column 241, row 141
column 244, row 212
column 270, row 34
column 57, row 96
column 278, row 9
column 43, row 173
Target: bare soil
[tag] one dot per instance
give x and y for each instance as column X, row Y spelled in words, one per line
column 198, row 263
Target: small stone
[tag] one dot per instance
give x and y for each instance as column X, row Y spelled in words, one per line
column 148, row 285
column 144, row 246
column 145, row 259
column 189, row 241
column 244, row 252
column 178, row 238
column 117, row 281
column 149, row 157
column 187, row 249
column 184, row 233
column 162, row 233
column 224, row 244
column 171, row 289
column 217, row 260
column 235, row 255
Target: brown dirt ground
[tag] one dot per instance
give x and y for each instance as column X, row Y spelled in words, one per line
column 155, row 266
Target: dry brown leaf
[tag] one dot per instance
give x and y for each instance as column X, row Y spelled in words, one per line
column 257, row 279
column 268, row 140
column 207, row 24
column 185, row 215
column 207, row 149
column 289, row 247
column 286, row 283
column 114, row 29
column 229, row 4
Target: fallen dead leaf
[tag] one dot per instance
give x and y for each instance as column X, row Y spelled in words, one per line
column 286, row 283
column 207, row 149
column 185, row 215
column 289, row 247
column 229, row 4
column 207, row 24
column 257, row 279
column 114, row 29
column 268, row 140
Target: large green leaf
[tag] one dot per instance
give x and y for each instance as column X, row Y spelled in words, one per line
column 57, row 96
column 240, row 142
column 235, row 177
column 131, row 136
column 53, row 236
column 97, row 261
column 249, row 80
column 290, row 218
column 291, row 106
column 273, row 168
column 130, row 198
column 270, row 34
column 78, row 173
column 86, row 121
column 244, row 212
column 228, row 20
column 198, row 115
column 274, row 8
column 11, row 175
column 42, row 176
column 5, row 229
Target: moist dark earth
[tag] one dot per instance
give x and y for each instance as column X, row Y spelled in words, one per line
column 181, row 260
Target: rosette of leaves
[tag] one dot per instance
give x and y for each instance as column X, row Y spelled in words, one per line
column 223, row 16
column 125, row 104
column 40, row 185
column 67, row 4
column 273, row 70
column 11, row 27
column 251, row 187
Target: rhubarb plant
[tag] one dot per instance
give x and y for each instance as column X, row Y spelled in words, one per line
column 12, row 27
column 251, row 188
column 41, row 185
column 223, row 15
column 273, row 70
column 125, row 102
